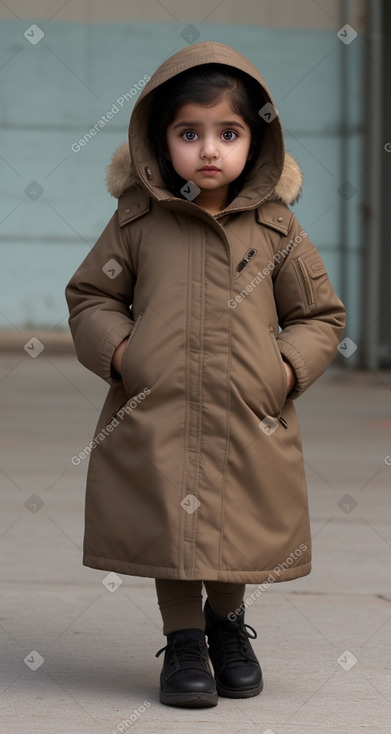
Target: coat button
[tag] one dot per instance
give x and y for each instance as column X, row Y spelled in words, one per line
column 280, row 219
column 148, row 172
column 127, row 211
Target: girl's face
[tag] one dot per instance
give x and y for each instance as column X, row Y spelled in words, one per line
column 209, row 146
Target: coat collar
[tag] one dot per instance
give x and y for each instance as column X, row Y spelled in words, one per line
column 122, row 175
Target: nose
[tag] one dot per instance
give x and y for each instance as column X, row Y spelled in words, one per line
column 209, row 149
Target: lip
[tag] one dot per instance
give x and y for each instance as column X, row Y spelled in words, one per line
column 209, row 169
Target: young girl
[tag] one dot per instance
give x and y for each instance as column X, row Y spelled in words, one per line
column 207, row 309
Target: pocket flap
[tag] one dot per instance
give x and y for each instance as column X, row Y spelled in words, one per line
column 316, row 267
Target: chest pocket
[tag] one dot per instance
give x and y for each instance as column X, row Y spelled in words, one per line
column 244, row 261
column 277, row 218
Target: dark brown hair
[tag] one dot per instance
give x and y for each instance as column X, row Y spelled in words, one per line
column 205, row 85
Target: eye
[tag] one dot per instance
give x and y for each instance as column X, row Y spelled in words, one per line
column 189, row 135
column 229, row 135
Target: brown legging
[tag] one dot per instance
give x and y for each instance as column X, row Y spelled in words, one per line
column 180, row 602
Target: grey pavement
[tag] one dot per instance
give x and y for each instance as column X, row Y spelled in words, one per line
column 80, row 657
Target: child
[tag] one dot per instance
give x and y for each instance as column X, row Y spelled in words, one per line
column 196, row 472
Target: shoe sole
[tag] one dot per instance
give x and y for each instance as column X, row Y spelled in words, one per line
column 237, row 693
column 189, row 700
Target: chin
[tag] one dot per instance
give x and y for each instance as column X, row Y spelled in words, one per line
column 209, row 184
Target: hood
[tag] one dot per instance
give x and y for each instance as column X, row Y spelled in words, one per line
column 275, row 174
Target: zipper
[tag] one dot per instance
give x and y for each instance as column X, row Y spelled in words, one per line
column 117, row 410
column 306, row 280
column 245, row 260
column 280, row 361
column 130, row 340
column 282, row 420
column 280, row 417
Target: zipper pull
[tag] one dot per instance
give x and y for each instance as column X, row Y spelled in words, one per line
column 245, row 260
column 282, row 420
column 113, row 415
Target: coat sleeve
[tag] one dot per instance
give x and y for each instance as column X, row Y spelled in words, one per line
column 99, row 295
column 311, row 316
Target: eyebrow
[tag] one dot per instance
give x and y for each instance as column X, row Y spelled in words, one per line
column 195, row 123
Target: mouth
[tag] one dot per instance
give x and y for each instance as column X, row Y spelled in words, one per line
column 209, row 169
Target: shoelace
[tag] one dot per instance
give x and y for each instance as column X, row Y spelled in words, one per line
column 184, row 648
column 233, row 641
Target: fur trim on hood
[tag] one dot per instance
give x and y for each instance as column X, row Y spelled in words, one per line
column 122, row 175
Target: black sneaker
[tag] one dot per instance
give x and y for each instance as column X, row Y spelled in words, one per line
column 186, row 678
column 237, row 670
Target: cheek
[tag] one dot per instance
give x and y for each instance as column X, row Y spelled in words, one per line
column 181, row 155
column 243, row 154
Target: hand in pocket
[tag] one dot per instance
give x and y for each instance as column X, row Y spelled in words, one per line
column 117, row 356
column 290, row 376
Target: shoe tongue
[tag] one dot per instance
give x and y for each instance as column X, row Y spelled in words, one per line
column 191, row 633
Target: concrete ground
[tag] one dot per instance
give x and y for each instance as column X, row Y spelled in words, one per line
column 78, row 657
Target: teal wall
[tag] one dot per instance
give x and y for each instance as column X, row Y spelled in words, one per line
column 54, row 91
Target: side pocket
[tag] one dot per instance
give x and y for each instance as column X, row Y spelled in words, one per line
column 130, row 340
column 284, row 384
column 127, row 407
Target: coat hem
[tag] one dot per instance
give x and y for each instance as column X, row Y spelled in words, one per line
column 157, row 572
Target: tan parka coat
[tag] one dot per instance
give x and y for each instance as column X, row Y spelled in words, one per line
column 196, row 468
